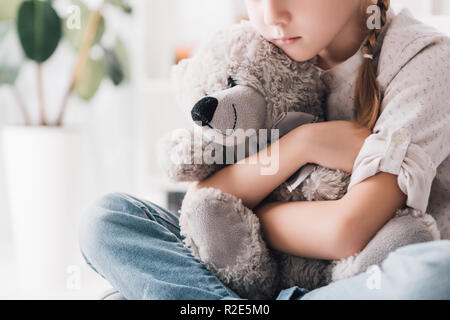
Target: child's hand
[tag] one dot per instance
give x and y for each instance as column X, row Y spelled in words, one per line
column 335, row 144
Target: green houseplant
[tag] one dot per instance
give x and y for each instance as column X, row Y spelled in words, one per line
column 40, row 29
column 48, row 166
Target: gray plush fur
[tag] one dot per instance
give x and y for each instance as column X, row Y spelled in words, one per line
column 217, row 228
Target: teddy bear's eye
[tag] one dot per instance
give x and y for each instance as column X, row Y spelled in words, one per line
column 231, row 82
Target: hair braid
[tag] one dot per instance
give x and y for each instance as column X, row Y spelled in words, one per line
column 367, row 91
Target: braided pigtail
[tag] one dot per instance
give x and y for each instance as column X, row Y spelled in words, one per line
column 367, row 90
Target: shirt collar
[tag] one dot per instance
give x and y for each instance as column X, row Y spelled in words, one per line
column 341, row 73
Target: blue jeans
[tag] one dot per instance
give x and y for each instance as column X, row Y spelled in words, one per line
column 136, row 245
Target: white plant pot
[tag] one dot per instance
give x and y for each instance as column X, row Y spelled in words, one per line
column 47, row 192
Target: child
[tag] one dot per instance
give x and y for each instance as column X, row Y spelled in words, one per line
column 388, row 115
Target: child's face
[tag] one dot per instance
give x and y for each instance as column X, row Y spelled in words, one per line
column 314, row 24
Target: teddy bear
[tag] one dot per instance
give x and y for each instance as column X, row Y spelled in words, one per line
column 242, row 93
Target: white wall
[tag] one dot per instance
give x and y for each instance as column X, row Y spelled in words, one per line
column 432, row 12
column 4, row 216
column 441, row 7
column 424, row 7
column 163, row 24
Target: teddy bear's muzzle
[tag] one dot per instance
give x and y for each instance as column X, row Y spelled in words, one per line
column 203, row 111
column 227, row 112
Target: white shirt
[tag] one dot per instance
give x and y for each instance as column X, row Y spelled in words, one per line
column 411, row 137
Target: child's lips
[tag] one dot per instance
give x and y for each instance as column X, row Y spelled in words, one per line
column 286, row 41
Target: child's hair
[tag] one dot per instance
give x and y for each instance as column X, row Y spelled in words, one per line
column 367, row 91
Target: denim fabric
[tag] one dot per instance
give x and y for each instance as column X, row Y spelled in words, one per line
column 136, row 245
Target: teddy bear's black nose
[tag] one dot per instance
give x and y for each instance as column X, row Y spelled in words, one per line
column 204, row 110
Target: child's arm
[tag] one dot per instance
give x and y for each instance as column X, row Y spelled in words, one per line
column 317, row 229
column 332, row 229
column 333, row 145
column 245, row 180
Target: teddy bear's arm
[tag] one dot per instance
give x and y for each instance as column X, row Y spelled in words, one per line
column 186, row 155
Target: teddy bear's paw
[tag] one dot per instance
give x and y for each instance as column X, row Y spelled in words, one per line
column 186, row 155
column 399, row 231
column 325, row 184
column 303, row 272
column 216, row 226
column 225, row 236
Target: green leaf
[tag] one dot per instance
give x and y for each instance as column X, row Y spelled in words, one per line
column 39, row 29
column 76, row 24
column 122, row 54
column 90, row 79
column 8, row 9
column 114, row 67
column 122, row 5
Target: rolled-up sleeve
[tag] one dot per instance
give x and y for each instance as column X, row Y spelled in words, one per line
column 411, row 137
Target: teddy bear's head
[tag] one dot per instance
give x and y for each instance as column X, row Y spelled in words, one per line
column 238, row 82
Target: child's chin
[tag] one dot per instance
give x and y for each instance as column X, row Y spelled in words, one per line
column 299, row 54
column 300, row 57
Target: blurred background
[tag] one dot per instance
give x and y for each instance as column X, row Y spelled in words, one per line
column 102, row 88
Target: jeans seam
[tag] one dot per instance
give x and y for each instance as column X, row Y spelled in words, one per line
column 86, row 260
column 217, row 290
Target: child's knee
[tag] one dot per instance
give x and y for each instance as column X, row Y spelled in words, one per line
column 96, row 227
column 434, row 254
column 419, row 271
